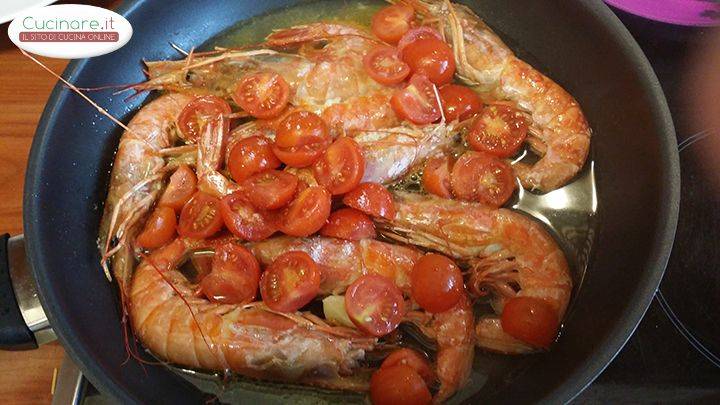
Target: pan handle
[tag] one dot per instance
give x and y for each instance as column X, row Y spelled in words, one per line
column 23, row 324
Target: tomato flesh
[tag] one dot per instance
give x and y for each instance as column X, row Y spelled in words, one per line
column 290, row 282
column 436, row 176
column 200, row 218
column 234, row 277
column 415, row 34
column 499, row 130
column 459, row 102
column 372, row 199
column 198, row 112
column 159, row 228
column 437, row 283
column 374, row 304
column 244, row 220
column 263, row 95
column 271, row 189
column 349, row 224
column 417, row 102
column 399, row 384
column 532, row 320
column 430, row 57
column 392, row 22
column 483, row 178
column 251, row 155
column 385, row 67
column 180, row 189
column 341, row 167
column 301, row 139
column 412, row 359
column 308, row 213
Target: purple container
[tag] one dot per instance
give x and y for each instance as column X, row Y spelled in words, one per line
column 701, row 13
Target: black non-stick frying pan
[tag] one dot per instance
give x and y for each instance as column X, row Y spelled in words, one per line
column 580, row 44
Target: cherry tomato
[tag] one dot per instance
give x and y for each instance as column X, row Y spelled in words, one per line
column 159, row 228
column 417, row 102
column 262, row 95
column 350, row 224
column 532, row 320
column 385, row 67
column 308, row 213
column 301, row 139
column 290, row 282
column 437, row 283
column 374, row 304
column 198, row 112
column 251, row 155
column 200, row 218
column 412, row 359
column 234, row 277
column 430, row 57
column 392, row 22
column 459, row 102
column 399, row 384
column 480, row 177
column 499, row 130
column 341, row 167
column 372, row 199
column 436, row 176
column 271, row 189
column 180, row 189
column 415, row 34
column 244, row 220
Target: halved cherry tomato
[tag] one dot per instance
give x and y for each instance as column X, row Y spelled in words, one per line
column 372, row 199
column 417, row 102
column 399, row 384
column 350, row 224
column 412, row 359
column 392, row 22
column 180, row 189
column 385, row 67
column 530, row 319
column 415, row 34
column 436, row 176
column 251, row 155
column 234, row 277
column 430, row 57
column 262, row 95
column 200, row 218
column 159, row 228
column 270, row 190
column 244, row 220
column 500, row 130
column 437, row 283
column 459, row 102
column 198, row 112
column 308, row 213
column 290, row 282
column 374, row 304
column 341, row 167
column 484, row 178
column 301, row 139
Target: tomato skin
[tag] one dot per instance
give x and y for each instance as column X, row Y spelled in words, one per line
column 341, row 167
column 415, row 34
column 301, row 139
column 290, row 282
column 159, row 228
column 459, row 102
column 180, row 189
column 270, row 190
column 530, row 319
column 417, row 102
column 244, row 220
column 197, row 111
column 392, row 22
column 437, row 283
column 499, row 130
column 251, row 155
column 308, row 213
column 372, row 199
column 375, row 304
column 412, row 359
column 263, row 94
column 385, row 66
column 234, row 277
column 399, row 384
column 436, row 176
column 200, row 218
column 483, row 178
column 349, row 224
column 430, row 57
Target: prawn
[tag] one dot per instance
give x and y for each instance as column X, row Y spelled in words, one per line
column 508, row 254
column 559, row 134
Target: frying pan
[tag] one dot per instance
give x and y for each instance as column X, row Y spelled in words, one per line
column 580, row 44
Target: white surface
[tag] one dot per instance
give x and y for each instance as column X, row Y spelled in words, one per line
column 10, row 8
